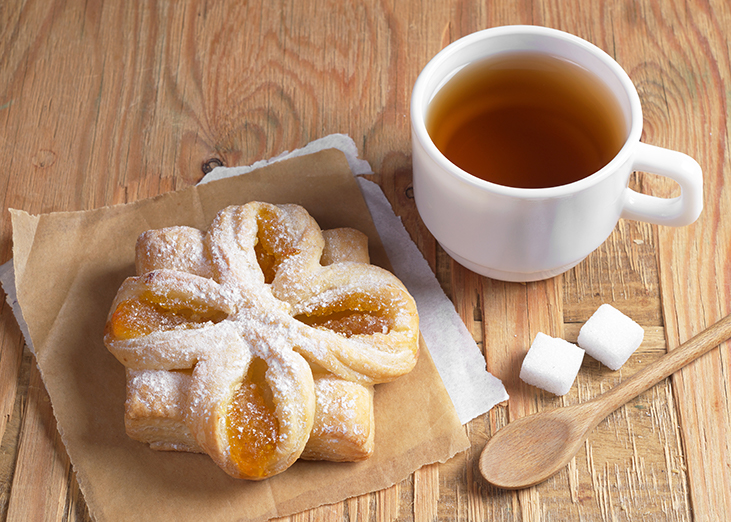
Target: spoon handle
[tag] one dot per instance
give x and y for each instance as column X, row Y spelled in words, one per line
column 668, row 364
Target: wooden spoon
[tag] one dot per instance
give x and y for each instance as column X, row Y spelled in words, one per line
column 532, row 448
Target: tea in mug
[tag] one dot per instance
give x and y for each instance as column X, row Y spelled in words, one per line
column 527, row 120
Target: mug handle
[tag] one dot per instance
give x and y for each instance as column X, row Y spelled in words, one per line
column 677, row 212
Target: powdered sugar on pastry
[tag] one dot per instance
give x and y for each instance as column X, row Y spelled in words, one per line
column 227, row 326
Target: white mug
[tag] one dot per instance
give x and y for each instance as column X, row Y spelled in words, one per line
column 528, row 234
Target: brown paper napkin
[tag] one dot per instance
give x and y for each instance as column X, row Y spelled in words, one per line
column 68, row 267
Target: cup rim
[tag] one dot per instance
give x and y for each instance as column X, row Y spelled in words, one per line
column 418, row 110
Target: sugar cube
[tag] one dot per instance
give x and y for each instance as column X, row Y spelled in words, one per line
column 610, row 337
column 551, row 364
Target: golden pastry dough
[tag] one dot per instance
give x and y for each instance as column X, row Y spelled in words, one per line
column 155, row 409
column 343, row 245
column 344, row 427
column 221, row 333
column 174, row 248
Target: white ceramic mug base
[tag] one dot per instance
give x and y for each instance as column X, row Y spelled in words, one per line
column 511, row 277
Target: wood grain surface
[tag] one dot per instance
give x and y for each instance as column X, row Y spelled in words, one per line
column 109, row 102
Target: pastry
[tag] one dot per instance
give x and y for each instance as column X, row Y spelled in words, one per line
column 259, row 341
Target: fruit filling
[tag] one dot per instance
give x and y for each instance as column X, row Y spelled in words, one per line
column 251, row 424
column 271, row 246
column 146, row 314
column 348, row 317
column 347, row 323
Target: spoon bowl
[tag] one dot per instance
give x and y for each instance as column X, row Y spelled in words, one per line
column 546, row 441
column 531, row 449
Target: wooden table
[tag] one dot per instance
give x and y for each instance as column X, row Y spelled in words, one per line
column 109, row 103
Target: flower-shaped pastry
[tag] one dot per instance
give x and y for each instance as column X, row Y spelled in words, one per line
column 259, row 341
